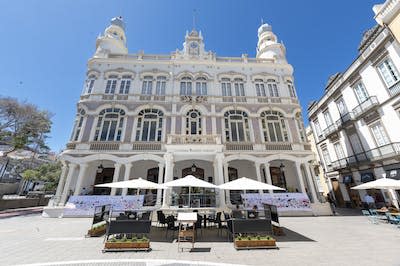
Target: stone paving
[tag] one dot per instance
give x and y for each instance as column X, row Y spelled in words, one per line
column 338, row 240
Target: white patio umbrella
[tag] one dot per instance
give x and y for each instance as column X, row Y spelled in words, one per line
column 189, row 181
column 138, row 183
column 381, row 183
column 245, row 183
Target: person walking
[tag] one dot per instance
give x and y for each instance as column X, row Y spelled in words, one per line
column 332, row 203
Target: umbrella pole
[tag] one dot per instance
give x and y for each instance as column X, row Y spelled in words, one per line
column 190, row 205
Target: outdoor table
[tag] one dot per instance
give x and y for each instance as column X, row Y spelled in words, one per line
column 185, row 233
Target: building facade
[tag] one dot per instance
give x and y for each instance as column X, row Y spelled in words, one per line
column 161, row 117
column 356, row 123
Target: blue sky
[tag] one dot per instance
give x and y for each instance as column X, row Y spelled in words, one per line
column 45, row 44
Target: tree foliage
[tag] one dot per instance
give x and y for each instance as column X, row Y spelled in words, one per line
column 49, row 173
column 23, row 125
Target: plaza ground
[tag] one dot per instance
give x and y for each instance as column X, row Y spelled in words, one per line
column 338, row 240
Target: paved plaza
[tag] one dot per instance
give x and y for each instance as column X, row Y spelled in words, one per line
column 338, row 240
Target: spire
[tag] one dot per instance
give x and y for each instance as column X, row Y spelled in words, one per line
column 194, row 19
column 113, row 40
column 268, row 46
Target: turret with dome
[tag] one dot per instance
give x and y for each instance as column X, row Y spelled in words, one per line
column 268, row 46
column 113, row 41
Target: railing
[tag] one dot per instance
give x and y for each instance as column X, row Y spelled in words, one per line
column 395, row 89
column 189, row 98
column 194, row 139
column 146, row 146
column 332, row 128
column 104, row 146
column 197, row 200
column 71, row 146
column 379, row 153
column 278, row 146
column 366, row 105
column 344, row 119
column 239, row 146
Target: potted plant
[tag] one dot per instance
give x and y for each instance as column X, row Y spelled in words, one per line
column 257, row 241
column 128, row 243
column 98, row 229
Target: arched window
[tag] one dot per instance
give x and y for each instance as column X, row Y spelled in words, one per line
column 291, row 89
column 147, row 88
column 111, row 84
column 90, row 83
column 109, row 125
column 193, row 122
column 236, row 126
column 149, row 125
column 125, row 84
column 201, row 86
column 272, row 88
column 300, row 127
column 261, row 91
column 274, row 126
column 239, row 90
column 78, row 124
column 186, row 86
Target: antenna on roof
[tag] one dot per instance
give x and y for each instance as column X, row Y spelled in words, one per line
column 262, row 21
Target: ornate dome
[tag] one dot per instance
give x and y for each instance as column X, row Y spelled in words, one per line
column 118, row 22
column 264, row 27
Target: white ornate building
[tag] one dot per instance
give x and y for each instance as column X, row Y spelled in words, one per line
column 356, row 123
column 162, row 117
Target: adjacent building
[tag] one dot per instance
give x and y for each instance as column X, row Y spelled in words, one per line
column 161, row 117
column 356, row 123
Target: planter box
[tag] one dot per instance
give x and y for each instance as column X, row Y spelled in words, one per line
column 99, row 231
column 277, row 230
column 127, row 245
column 262, row 243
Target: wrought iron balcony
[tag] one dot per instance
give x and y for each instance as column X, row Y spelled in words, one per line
column 239, row 146
column 365, row 106
column 332, row 128
column 395, row 89
column 376, row 154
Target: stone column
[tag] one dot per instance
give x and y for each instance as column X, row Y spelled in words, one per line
column 81, row 175
column 226, row 177
column 169, row 172
column 127, row 173
column 72, row 167
column 300, row 177
column 311, row 182
column 219, row 177
column 61, row 183
column 258, row 173
column 268, row 176
column 160, row 181
column 117, row 167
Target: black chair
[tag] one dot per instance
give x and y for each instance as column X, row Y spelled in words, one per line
column 121, row 217
column 252, row 215
column 171, row 225
column 216, row 220
column 237, row 214
column 145, row 216
column 161, row 218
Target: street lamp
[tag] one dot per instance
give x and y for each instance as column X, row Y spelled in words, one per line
column 193, row 168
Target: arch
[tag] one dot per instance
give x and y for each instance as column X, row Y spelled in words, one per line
column 154, row 73
column 150, row 106
column 110, row 125
column 264, row 76
column 273, row 108
column 240, row 108
column 149, row 125
column 94, row 72
column 111, row 157
column 185, row 108
column 183, row 74
column 289, row 157
column 231, row 75
column 202, row 74
column 194, row 122
column 109, row 105
column 273, row 126
column 246, row 157
column 237, row 127
column 119, row 72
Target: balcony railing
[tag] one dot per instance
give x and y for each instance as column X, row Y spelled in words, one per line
column 189, row 98
column 278, row 146
column 239, row 146
column 194, row 139
column 344, row 119
column 146, row 146
column 395, row 89
column 379, row 153
column 332, row 128
column 366, row 105
column 104, row 146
